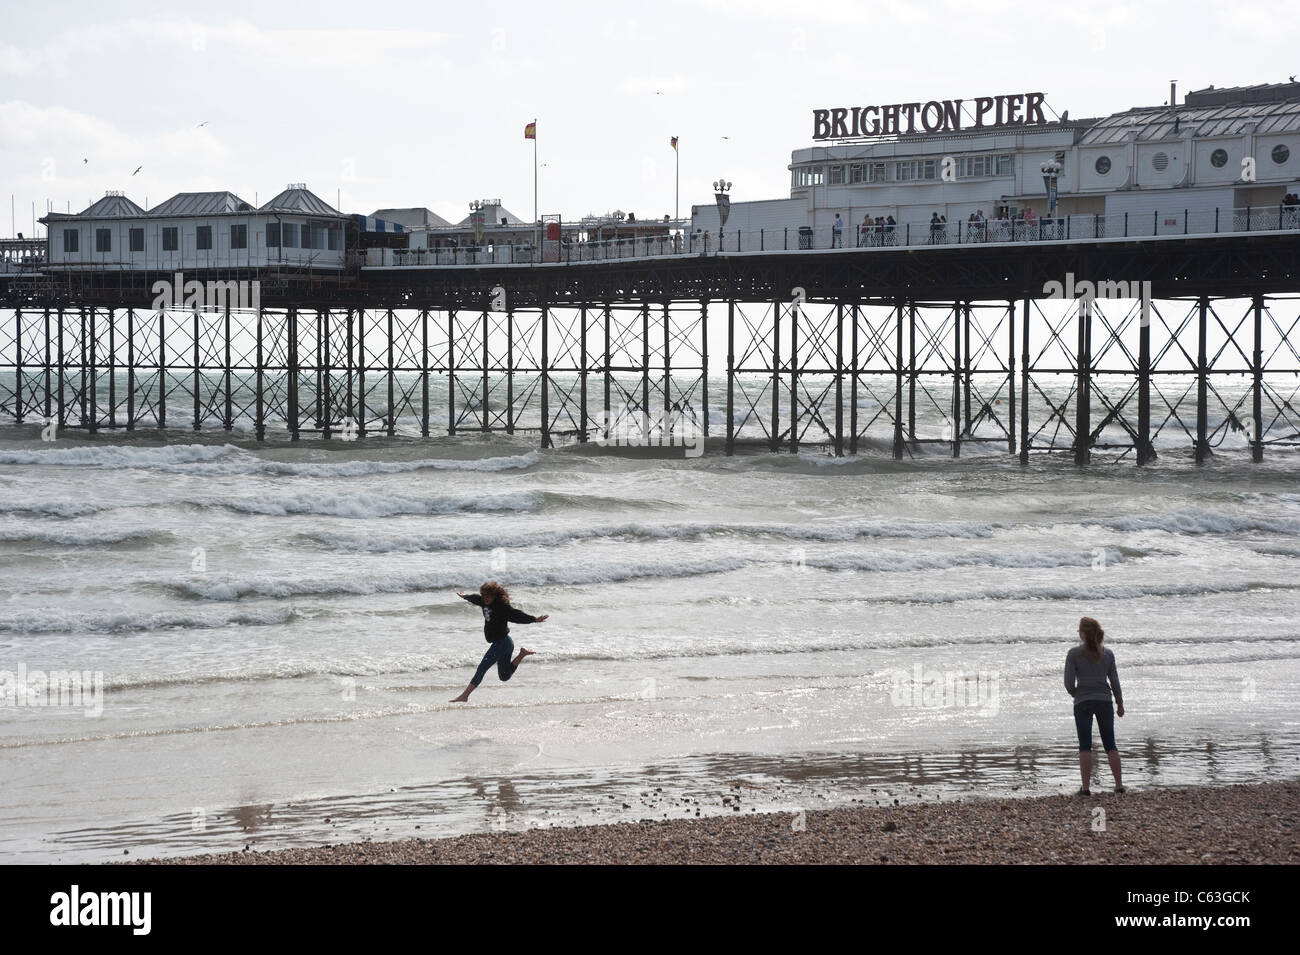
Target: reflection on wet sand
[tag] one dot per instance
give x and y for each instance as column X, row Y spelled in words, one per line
column 693, row 785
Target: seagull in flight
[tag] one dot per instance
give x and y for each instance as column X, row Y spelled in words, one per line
column 202, row 124
column 137, row 169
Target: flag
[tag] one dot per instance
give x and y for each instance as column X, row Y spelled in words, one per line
column 530, row 131
column 674, row 142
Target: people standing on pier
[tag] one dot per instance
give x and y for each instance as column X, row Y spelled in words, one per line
column 494, row 599
column 1091, row 678
column 837, row 232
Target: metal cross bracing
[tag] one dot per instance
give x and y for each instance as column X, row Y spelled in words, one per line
column 652, row 362
column 870, row 375
column 1188, row 368
column 1193, row 376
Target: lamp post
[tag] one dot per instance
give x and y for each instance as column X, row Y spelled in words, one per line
column 720, row 190
column 1051, row 173
column 477, row 219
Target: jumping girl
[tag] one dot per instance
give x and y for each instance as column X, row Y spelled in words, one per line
column 1090, row 677
column 497, row 617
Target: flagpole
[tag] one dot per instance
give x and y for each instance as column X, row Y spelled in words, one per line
column 536, row 240
column 677, row 187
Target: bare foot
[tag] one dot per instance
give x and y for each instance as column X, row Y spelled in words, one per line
column 460, row 699
column 525, row 652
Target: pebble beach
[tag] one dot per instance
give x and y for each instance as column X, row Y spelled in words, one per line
column 1241, row 824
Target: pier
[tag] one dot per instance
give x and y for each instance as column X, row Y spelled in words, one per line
column 1184, row 340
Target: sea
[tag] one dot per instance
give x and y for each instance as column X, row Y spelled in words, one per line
column 210, row 643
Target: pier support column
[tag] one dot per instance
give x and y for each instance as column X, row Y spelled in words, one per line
column 356, row 315
column 510, row 370
column 1011, row 376
column 161, row 354
column 605, row 426
column 62, row 419
column 292, row 320
column 794, row 376
column 546, row 376
column 90, row 388
column 1083, row 389
column 485, row 407
column 49, row 366
column 731, row 377
column 424, row 372
column 198, row 408
column 451, row 371
column 18, row 367
column 1145, row 452
column 1202, row 383
column 966, row 369
column 668, row 424
column 774, row 436
column 259, row 412
column 582, row 375
column 645, row 373
column 229, row 416
column 112, row 368
column 392, row 374
column 1257, row 384
column 839, row 379
column 911, row 372
column 855, row 313
column 322, row 331
column 130, row 369
column 704, row 363
column 956, row 377
column 1024, row 383
column 899, row 371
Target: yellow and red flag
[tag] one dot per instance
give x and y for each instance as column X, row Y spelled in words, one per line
column 530, row 131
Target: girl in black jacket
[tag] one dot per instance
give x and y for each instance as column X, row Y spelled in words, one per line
column 497, row 617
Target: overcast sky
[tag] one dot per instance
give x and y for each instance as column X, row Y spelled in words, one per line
column 424, row 104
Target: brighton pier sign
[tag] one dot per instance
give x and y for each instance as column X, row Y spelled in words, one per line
column 936, row 116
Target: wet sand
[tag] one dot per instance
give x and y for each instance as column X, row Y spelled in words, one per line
column 1241, row 824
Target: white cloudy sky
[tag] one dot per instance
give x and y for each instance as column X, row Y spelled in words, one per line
column 423, row 104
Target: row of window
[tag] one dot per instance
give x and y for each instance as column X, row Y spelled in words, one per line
column 1218, row 159
column 290, row 235
column 287, row 235
column 906, row 170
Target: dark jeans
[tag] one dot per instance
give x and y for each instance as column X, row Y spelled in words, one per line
column 1105, row 713
column 499, row 653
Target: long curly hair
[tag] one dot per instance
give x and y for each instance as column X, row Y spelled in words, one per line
column 495, row 590
column 1092, row 637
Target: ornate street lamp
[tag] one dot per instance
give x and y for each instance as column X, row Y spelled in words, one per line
column 720, row 190
column 1051, row 173
column 477, row 219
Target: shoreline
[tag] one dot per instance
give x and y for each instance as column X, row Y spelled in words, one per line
column 1248, row 824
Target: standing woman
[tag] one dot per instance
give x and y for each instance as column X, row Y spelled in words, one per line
column 497, row 617
column 1090, row 677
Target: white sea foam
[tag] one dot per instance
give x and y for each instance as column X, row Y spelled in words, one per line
column 234, row 587
column 119, row 456
column 125, row 620
column 368, row 504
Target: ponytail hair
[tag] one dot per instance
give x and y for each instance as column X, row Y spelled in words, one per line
column 1092, row 635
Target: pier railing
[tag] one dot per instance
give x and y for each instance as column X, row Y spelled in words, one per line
column 1158, row 224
